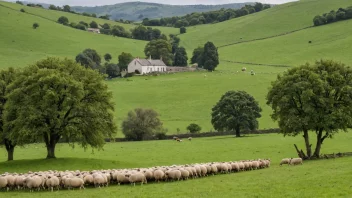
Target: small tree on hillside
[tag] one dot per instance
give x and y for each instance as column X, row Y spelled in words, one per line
column 107, row 57
column 194, row 128
column 35, row 25
column 197, row 55
column 210, row 57
column 93, row 24
column 182, row 30
column 112, row 70
column 181, row 58
column 22, row 10
column 89, row 58
column 141, row 124
column 236, row 111
column 63, row 20
column 124, row 60
column 56, row 99
column 313, row 98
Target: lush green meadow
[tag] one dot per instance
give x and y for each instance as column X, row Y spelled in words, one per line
column 323, row 178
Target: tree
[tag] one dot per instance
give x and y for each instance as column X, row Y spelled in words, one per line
column 319, row 20
column 52, row 7
column 59, row 99
column 63, row 20
column 93, row 24
column 124, row 60
column 181, row 58
column 182, row 30
column 22, row 10
column 258, row 7
column 340, row 15
column 35, row 25
column 313, row 98
column 19, row 2
column 6, row 78
column 112, row 70
column 197, row 55
column 210, row 57
column 106, row 26
column 66, row 8
column 159, row 49
column 141, row 124
column 107, row 57
column 236, row 111
column 194, row 128
column 89, row 58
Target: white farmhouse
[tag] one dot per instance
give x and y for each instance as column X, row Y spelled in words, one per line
column 144, row 66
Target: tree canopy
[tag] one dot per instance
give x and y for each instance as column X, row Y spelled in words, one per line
column 181, row 58
column 314, row 98
column 236, row 111
column 89, row 58
column 63, row 20
column 197, row 55
column 194, row 128
column 141, row 124
column 124, row 60
column 210, row 57
column 59, row 99
column 159, row 49
column 107, row 57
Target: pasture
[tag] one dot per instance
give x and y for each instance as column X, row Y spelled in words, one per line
column 322, row 178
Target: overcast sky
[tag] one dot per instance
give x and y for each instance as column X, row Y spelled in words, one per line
column 174, row 2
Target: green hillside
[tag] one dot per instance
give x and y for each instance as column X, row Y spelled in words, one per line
column 54, row 15
column 22, row 45
column 277, row 20
column 132, row 10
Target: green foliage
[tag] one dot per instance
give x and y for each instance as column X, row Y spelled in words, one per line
column 333, row 16
column 236, row 111
column 197, row 55
column 159, row 48
column 19, row 2
column 35, row 25
column 313, row 98
column 22, row 10
column 181, row 58
column 112, row 70
column 93, row 24
column 194, row 128
column 182, row 30
column 141, row 124
column 107, row 57
column 210, row 57
column 66, row 8
column 56, row 99
column 120, row 31
column 124, row 60
column 63, row 20
column 52, row 7
column 89, row 58
column 106, row 26
column 145, row 33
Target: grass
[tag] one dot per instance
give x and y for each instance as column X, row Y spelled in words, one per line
column 54, row 16
column 331, row 177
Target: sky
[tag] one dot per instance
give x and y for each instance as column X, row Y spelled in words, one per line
column 172, row 2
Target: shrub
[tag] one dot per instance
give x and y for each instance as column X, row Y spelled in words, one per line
column 182, row 30
column 35, row 25
column 22, row 10
column 161, row 135
column 194, row 128
column 63, row 20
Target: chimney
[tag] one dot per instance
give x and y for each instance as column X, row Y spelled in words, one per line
column 150, row 57
column 161, row 58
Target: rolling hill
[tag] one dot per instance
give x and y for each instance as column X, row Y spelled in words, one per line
column 136, row 11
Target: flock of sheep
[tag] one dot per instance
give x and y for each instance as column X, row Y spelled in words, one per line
column 50, row 180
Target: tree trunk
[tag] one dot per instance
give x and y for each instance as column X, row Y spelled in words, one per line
column 238, row 134
column 300, row 153
column 308, row 146
column 50, row 142
column 319, row 143
column 10, row 148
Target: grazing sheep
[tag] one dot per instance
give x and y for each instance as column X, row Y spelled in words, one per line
column 158, row 175
column 121, row 178
column 88, row 180
column 75, row 183
column 148, row 174
column 138, row 177
column 52, row 182
column 33, row 183
column 184, row 174
column 295, row 161
column 190, row 138
column 19, row 181
column 3, row 183
column 173, row 175
column 285, row 161
column 98, row 180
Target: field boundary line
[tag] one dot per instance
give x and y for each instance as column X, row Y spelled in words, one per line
column 259, row 64
column 264, row 38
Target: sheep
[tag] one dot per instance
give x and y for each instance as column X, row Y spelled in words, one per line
column 173, row 175
column 98, row 180
column 158, row 175
column 214, row 169
column 235, row 166
column 184, row 174
column 203, row 170
column 138, row 177
column 10, row 181
column 32, row 182
column 224, row 168
column 88, row 180
column 295, row 161
column 75, row 183
column 3, row 183
column 285, row 161
column 190, row 138
column 52, row 182
column 148, row 174
column 19, row 181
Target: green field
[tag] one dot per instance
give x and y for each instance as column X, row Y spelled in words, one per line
column 331, row 177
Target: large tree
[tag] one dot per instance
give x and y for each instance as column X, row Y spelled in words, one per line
column 6, row 78
column 181, row 58
column 159, row 49
column 141, row 124
column 197, row 55
column 58, row 99
column 210, row 57
column 236, row 111
column 89, row 58
column 313, row 99
column 124, row 60
column 63, row 20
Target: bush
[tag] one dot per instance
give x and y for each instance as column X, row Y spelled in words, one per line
column 182, row 30
column 161, row 135
column 35, row 25
column 22, row 10
column 63, row 20
column 194, row 128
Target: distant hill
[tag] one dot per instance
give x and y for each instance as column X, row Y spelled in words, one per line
column 136, row 11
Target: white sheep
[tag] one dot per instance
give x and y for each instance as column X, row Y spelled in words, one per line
column 285, row 161
column 137, row 177
column 3, row 183
column 295, row 161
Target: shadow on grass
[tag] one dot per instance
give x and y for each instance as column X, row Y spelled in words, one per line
column 22, row 166
column 232, row 137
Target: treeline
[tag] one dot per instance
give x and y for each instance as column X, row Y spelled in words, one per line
column 333, row 16
column 140, row 32
column 197, row 18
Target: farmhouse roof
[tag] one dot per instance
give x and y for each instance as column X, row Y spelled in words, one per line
column 150, row 62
